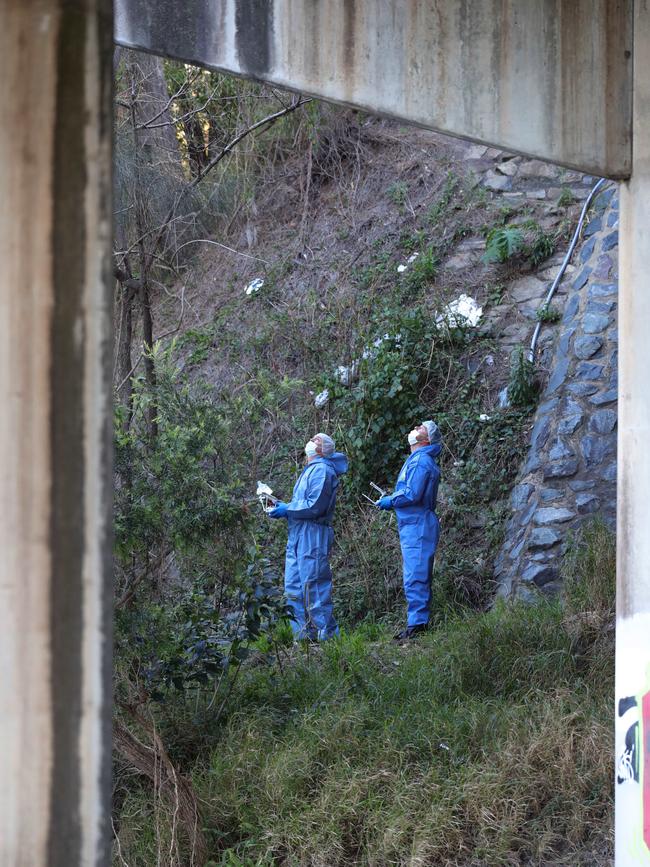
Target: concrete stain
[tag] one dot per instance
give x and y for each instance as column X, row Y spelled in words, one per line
column 254, row 34
column 67, row 441
column 349, row 39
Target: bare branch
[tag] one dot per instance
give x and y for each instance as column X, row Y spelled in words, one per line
column 149, row 124
column 223, row 247
column 130, row 373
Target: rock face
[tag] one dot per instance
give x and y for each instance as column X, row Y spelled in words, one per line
column 570, row 470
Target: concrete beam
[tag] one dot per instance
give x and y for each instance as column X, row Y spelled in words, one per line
column 55, row 480
column 547, row 78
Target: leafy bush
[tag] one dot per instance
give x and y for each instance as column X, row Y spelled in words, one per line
column 527, row 240
column 174, row 488
column 180, row 504
column 385, row 400
column 548, row 313
column 522, row 388
column 541, row 246
column 503, row 243
column 191, row 641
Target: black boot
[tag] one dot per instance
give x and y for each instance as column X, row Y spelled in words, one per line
column 411, row 632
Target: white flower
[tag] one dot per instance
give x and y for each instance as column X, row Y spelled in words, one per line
column 401, row 269
column 484, row 417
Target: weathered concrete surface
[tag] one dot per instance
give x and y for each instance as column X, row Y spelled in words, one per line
column 55, row 481
column 549, row 78
column 633, row 561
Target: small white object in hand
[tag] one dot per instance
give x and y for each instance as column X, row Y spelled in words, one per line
column 265, row 495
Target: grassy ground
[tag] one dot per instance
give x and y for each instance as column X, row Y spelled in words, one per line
column 487, row 742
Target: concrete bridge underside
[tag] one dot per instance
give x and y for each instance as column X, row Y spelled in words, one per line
column 562, row 80
column 547, row 78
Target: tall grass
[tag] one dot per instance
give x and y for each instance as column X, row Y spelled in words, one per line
column 486, row 743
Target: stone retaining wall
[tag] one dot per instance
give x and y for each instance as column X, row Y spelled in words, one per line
column 570, row 472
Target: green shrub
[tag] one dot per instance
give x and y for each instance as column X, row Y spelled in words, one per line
column 527, row 240
column 522, row 388
column 398, row 194
column 503, row 243
column 540, row 247
column 547, row 313
column 422, row 271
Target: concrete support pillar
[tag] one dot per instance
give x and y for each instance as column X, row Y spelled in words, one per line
column 55, row 228
column 633, row 592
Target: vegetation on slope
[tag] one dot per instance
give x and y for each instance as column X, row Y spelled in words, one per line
column 486, row 743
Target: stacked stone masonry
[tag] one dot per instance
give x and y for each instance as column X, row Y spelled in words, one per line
column 570, row 471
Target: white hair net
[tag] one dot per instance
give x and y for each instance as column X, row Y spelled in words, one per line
column 433, row 432
column 326, row 444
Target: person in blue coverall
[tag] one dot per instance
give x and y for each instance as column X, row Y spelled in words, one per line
column 307, row 574
column 414, row 502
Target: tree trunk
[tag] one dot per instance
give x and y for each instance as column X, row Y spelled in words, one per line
column 149, row 366
column 124, row 362
column 158, row 141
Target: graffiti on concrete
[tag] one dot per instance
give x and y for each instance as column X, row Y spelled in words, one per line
column 633, row 761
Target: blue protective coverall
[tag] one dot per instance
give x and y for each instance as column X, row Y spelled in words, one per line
column 307, row 574
column 414, row 501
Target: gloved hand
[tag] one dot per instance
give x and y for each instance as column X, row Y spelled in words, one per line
column 385, row 503
column 280, row 511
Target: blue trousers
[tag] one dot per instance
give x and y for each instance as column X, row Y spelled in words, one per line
column 308, row 580
column 419, row 532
